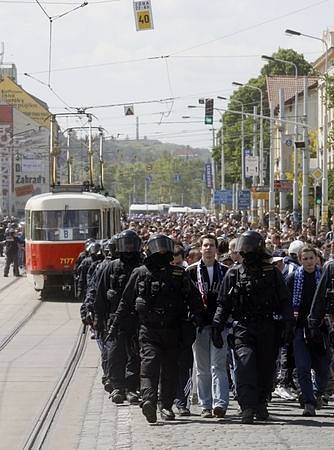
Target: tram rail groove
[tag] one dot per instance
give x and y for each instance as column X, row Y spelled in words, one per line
column 18, row 327
column 44, row 421
column 8, row 285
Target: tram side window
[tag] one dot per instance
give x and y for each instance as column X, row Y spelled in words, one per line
column 28, row 225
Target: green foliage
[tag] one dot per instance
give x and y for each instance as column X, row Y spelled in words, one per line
column 278, row 68
column 250, row 97
column 127, row 181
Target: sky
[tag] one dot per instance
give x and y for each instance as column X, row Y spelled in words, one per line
column 99, row 59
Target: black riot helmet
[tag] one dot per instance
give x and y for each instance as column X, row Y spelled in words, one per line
column 95, row 248
column 128, row 241
column 112, row 246
column 160, row 244
column 88, row 242
column 251, row 242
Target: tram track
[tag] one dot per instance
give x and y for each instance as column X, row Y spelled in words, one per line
column 8, row 285
column 44, row 421
column 4, row 342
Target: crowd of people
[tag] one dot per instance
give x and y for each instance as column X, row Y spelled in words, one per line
column 12, row 244
column 194, row 309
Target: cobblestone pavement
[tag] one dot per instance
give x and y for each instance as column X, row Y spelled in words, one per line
column 123, row 427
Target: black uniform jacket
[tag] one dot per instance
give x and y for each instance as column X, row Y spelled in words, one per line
column 281, row 299
column 187, row 292
column 320, row 300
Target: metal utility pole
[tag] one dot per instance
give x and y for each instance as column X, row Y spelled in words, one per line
column 255, row 177
column 53, row 161
column 68, row 157
column 306, row 160
column 324, row 215
column 222, row 155
column 271, row 171
column 282, row 195
column 90, row 151
column 137, row 128
column 101, row 162
column 213, row 169
column 295, row 153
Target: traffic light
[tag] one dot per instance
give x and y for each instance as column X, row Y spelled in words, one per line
column 208, row 111
column 318, row 195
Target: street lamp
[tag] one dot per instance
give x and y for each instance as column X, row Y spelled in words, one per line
column 324, row 215
column 212, row 159
column 222, row 154
column 235, row 83
column 295, row 152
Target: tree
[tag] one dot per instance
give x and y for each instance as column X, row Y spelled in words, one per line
column 250, row 97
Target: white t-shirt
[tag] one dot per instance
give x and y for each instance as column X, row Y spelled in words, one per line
column 210, row 272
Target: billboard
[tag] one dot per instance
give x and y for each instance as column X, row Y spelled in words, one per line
column 6, row 130
column 31, row 166
column 13, row 95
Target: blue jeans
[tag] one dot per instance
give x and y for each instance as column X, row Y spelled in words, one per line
column 211, row 373
column 307, row 358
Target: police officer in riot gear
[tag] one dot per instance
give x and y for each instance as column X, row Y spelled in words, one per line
column 12, row 252
column 322, row 309
column 94, row 254
column 255, row 295
column 122, row 347
column 87, row 312
column 162, row 295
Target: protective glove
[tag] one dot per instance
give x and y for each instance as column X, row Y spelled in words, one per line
column 112, row 333
column 88, row 319
column 217, row 338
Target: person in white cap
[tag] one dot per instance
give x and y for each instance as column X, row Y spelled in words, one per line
column 291, row 261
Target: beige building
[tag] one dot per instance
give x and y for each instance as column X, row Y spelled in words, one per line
column 24, row 145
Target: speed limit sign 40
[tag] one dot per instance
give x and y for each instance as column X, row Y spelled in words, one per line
column 143, row 15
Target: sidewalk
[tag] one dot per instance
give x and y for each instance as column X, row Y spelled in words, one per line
column 122, row 427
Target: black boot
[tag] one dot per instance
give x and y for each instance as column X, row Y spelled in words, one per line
column 132, row 398
column 262, row 413
column 247, row 416
column 149, row 411
column 117, row 396
column 167, row 414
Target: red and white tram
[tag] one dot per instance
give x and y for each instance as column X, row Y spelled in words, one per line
column 57, row 226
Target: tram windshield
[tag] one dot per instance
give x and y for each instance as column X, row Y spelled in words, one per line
column 65, row 225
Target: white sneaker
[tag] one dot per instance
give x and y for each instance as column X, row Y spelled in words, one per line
column 284, row 393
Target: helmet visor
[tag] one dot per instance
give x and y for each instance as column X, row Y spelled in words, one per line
column 128, row 244
column 161, row 244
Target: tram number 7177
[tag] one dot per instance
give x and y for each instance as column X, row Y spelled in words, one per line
column 66, row 261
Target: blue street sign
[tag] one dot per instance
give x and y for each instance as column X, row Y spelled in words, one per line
column 223, row 197
column 244, row 200
column 208, row 175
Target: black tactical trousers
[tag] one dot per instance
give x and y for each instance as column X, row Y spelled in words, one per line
column 12, row 258
column 123, row 361
column 185, row 364
column 159, row 362
column 256, row 348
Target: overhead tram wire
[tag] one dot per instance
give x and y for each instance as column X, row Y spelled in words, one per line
column 33, row 2
column 251, row 27
column 51, row 20
column 151, row 58
column 51, row 89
